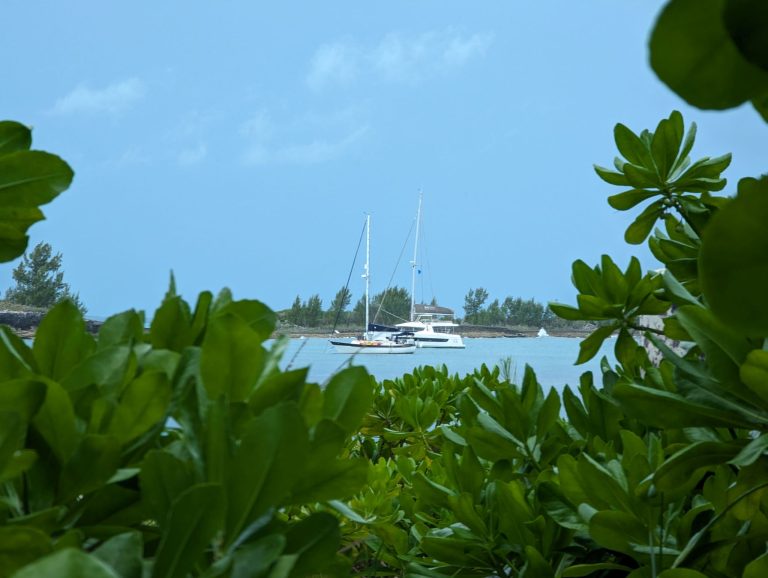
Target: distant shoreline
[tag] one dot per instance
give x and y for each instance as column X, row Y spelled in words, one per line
column 24, row 324
column 468, row 331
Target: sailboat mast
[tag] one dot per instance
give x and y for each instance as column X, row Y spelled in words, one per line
column 366, row 273
column 413, row 263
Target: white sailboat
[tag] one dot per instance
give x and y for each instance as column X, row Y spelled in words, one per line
column 432, row 326
column 394, row 343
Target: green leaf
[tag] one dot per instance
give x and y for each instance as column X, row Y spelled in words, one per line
column 67, row 563
column 27, row 179
column 109, row 368
column 22, row 396
column 682, row 573
column 682, row 469
column 750, row 453
column 664, row 409
column 123, row 553
column 279, row 387
column 336, row 479
column 548, row 414
column 590, row 345
column 257, row 557
column 586, row 279
column 757, row 568
column 692, row 53
column 746, row 22
column 94, row 462
column 200, row 316
column 195, row 518
column 537, row 566
column 14, row 136
column 631, row 146
column 614, row 281
column 13, row 430
column 61, row 341
column 666, row 143
column 260, row 318
column 611, row 177
column 56, row 422
column 232, row 358
column 754, row 373
column 19, row 546
column 760, row 103
column 163, row 477
column 628, row 199
column 677, row 290
column 733, row 266
column 314, row 541
column 348, row 398
column 142, row 405
column 579, row 570
column 16, row 359
column 125, row 328
column 641, row 227
column 558, row 507
column 641, row 177
column 566, row 311
column 595, row 307
column 617, row 531
column 172, row 325
column 269, row 461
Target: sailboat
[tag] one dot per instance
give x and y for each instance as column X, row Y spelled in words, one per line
column 432, row 326
column 396, row 342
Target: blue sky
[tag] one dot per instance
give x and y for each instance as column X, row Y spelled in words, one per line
column 240, row 143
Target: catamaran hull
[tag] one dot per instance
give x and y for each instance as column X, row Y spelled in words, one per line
column 367, row 347
column 452, row 342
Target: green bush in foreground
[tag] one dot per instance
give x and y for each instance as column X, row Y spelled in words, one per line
column 661, row 471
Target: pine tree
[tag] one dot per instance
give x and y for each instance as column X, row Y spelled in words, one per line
column 40, row 281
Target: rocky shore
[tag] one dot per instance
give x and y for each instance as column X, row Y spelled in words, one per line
column 25, row 323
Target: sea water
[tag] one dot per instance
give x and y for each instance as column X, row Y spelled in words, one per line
column 552, row 358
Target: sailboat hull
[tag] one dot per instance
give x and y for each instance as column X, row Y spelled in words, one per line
column 360, row 346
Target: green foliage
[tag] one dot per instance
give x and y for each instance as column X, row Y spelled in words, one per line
column 735, row 247
column 657, row 164
column 40, row 281
column 28, row 179
column 306, row 314
column 337, row 312
column 473, row 302
column 713, row 53
column 619, row 299
column 185, row 451
column 391, row 306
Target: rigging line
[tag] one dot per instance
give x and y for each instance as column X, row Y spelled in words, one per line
column 389, row 285
column 295, row 355
column 394, row 315
column 346, row 287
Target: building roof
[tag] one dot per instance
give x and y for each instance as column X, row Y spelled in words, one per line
column 422, row 309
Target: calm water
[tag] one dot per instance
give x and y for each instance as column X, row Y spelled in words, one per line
column 552, row 358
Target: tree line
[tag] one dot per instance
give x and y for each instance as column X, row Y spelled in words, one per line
column 512, row 311
column 394, row 306
column 387, row 307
